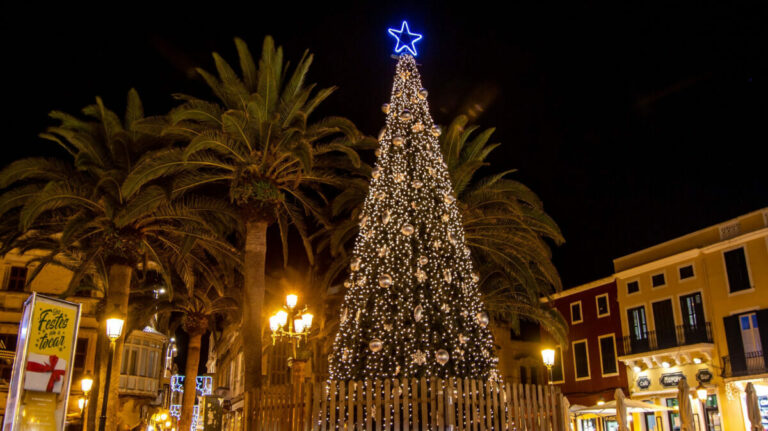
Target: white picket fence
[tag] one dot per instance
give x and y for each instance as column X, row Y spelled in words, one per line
column 435, row 404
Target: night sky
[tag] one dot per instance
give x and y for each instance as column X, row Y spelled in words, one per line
column 634, row 126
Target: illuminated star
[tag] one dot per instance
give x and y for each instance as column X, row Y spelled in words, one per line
column 404, row 34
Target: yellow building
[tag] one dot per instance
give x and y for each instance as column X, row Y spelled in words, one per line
column 141, row 379
column 697, row 306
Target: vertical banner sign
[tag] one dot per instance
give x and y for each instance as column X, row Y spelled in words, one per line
column 212, row 413
column 42, row 368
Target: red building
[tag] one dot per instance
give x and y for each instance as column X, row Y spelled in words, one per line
column 588, row 369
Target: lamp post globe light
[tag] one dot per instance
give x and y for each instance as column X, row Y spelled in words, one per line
column 114, row 331
column 282, row 329
column 548, row 357
column 86, row 383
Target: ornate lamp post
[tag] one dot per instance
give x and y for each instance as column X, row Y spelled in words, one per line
column 86, row 383
column 114, row 331
column 548, row 356
column 280, row 323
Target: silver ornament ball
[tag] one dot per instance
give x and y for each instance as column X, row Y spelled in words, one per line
column 442, row 356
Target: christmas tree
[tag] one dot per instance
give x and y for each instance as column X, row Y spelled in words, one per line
column 412, row 307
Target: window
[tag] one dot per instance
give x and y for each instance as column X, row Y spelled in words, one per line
column 7, row 356
column 603, row 309
column 581, row 359
column 608, row 355
column 523, row 374
column 736, row 267
column 750, row 333
column 141, row 358
column 81, row 353
column 673, row 415
column 685, row 272
column 576, row 312
column 17, row 279
column 658, row 280
column 633, row 287
column 557, row 367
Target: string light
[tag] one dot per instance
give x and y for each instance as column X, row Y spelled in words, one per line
column 412, row 211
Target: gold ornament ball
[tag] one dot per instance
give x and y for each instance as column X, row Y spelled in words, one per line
column 417, row 184
column 423, row 93
column 385, row 108
column 385, row 217
column 435, row 131
column 397, row 141
column 376, row 173
column 377, row 153
column 375, row 345
column 406, row 115
column 385, row 281
column 407, row 229
column 482, row 319
column 423, row 260
column 355, row 264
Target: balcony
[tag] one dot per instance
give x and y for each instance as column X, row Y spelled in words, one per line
column 747, row 364
column 681, row 335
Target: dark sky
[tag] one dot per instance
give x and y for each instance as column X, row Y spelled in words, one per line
column 634, row 125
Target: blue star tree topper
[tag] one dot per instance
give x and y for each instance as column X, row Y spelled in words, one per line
column 405, row 39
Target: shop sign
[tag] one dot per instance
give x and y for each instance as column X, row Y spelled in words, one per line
column 704, row 375
column 212, row 414
column 42, row 366
column 671, row 379
column 643, row 382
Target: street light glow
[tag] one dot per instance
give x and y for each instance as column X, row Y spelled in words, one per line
column 114, row 328
column 548, row 356
column 291, row 301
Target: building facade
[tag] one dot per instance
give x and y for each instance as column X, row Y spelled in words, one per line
column 697, row 307
column 141, row 382
column 587, row 369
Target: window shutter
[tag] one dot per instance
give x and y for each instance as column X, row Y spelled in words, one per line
column 735, row 345
column 762, row 324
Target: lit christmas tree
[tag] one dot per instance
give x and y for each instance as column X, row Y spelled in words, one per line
column 412, row 307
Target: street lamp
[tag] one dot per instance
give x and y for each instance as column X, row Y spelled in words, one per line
column 301, row 318
column 114, row 330
column 548, row 356
column 86, row 383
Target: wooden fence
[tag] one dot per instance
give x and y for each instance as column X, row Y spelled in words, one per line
column 285, row 407
column 411, row 405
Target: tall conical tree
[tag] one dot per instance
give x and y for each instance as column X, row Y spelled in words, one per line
column 412, row 307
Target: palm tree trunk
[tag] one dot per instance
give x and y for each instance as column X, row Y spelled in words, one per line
column 116, row 303
column 253, row 303
column 190, row 380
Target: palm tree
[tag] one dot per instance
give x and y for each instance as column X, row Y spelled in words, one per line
column 505, row 224
column 74, row 209
column 203, row 293
column 507, row 229
column 256, row 142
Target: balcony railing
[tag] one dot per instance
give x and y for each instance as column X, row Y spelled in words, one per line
column 746, row 364
column 681, row 335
